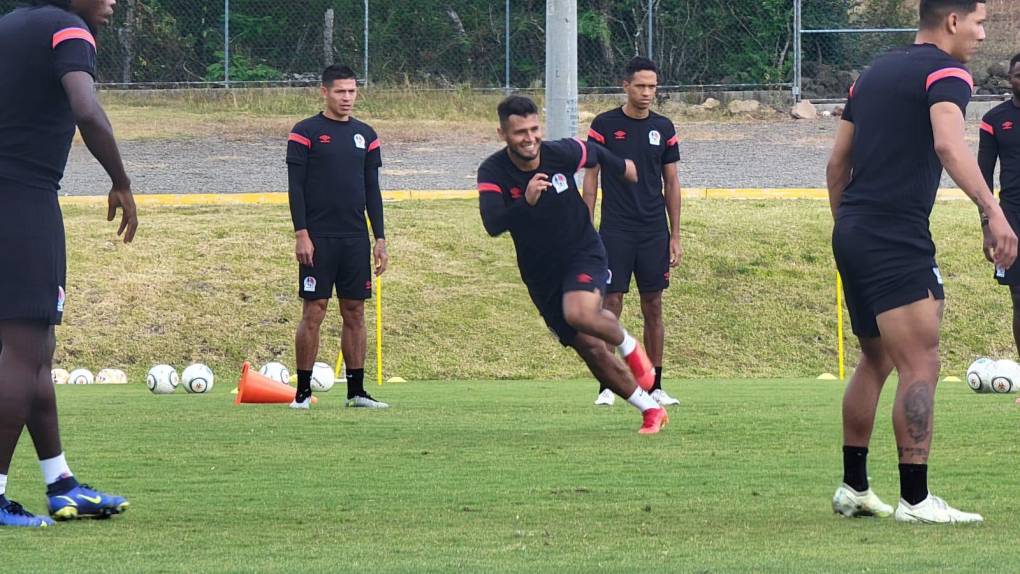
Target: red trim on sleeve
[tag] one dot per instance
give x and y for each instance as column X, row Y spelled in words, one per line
column 852, row 86
column 949, row 73
column 374, row 145
column 597, row 136
column 300, row 139
column 489, row 188
column 986, row 127
column 673, row 141
column 584, row 154
column 73, row 34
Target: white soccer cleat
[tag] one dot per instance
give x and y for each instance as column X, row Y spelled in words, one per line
column 605, row 398
column 852, row 504
column 934, row 510
column 366, row 402
column 663, row 399
column 303, row 405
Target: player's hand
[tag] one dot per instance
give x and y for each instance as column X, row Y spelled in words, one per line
column 304, row 249
column 1004, row 241
column 676, row 252
column 122, row 198
column 382, row 259
column 989, row 243
column 536, row 186
column 630, row 172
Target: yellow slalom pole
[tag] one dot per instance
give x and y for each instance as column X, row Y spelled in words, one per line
column 378, row 329
column 339, row 363
column 839, row 325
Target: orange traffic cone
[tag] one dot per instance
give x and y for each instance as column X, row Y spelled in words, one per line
column 256, row 388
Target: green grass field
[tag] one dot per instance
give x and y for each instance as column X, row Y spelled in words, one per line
column 488, row 476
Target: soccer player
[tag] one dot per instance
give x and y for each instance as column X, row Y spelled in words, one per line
column 904, row 121
column 333, row 163
column 1000, row 140
column 528, row 189
column 634, row 230
column 48, row 66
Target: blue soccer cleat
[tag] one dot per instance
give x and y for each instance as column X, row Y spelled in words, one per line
column 13, row 514
column 83, row 501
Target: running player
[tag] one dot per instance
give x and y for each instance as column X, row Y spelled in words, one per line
column 333, row 163
column 903, row 122
column 48, row 66
column 1000, row 140
column 634, row 230
column 528, row 189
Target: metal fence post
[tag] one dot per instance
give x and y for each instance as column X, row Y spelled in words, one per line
column 651, row 28
column 506, row 48
column 797, row 52
column 226, row 43
column 366, row 42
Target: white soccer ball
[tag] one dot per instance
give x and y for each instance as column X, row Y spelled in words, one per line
column 111, row 377
column 322, row 378
column 60, row 376
column 276, row 371
column 1005, row 376
column 162, row 380
column 80, row 377
column 979, row 375
column 197, row 378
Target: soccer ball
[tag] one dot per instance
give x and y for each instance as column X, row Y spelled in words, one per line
column 162, row 380
column 322, row 378
column 111, row 377
column 276, row 371
column 979, row 375
column 80, row 377
column 197, row 378
column 1005, row 376
column 60, row 376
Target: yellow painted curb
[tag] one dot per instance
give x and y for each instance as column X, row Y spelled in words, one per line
column 280, row 198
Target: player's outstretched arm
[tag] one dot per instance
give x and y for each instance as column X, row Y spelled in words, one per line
column 613, row 164
column 949, row 129
column 838, row 170
column 97, row 133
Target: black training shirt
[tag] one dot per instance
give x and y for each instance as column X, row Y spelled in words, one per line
column 1000, row 139
column 38, row 46
column 651, row 143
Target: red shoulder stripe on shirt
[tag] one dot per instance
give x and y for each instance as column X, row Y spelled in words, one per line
column 949, row 73
column 852, row 86
column 584, row 154
column 374, row 145
column 986, row 127
column 73, row 34
column 597, row 136
column 489, row 188
column 673, row 141
column 300, row 139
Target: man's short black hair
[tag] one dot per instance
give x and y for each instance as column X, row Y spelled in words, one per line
column 933, row 12
column 337, row 72
column 639, row 64
column 1014, row 62
column 65, row 4
column 515, row 106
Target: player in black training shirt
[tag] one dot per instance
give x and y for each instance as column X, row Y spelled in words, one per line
column 528, row 189
column 634, row 230
column 1000, row 140
column 48, row 66
column 333, row 163
column 904, row 121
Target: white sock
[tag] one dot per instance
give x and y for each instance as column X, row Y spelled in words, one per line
column 628, row 344
column 642, row 400
column 53, row 469
column 3, row 484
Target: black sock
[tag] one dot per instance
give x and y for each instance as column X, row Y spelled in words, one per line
column 3, row 501
column 304, row 385
column 658, row 380
column 855, row 467
column 602, row 387
column 913, row 482
column 61, row 486
column 355, row 383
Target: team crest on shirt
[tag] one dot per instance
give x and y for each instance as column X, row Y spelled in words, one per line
column 559, row 182
column 61, row 296
column 359, row 141
column 654, row 137
column 309, row 284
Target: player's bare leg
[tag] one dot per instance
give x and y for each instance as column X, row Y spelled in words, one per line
column 655, row 342
column 583, row 310
column 306, row 348
column 613, row 302
column 1014, row 295
column 354, row 343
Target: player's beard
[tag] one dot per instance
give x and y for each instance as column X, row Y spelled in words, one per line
column 523, row 158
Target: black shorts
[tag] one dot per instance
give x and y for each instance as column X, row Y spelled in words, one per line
column 1010, row 276
column 586, row 272
column 33, row 260
column 642, row 254
column 883, row 267
column 343, row 263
